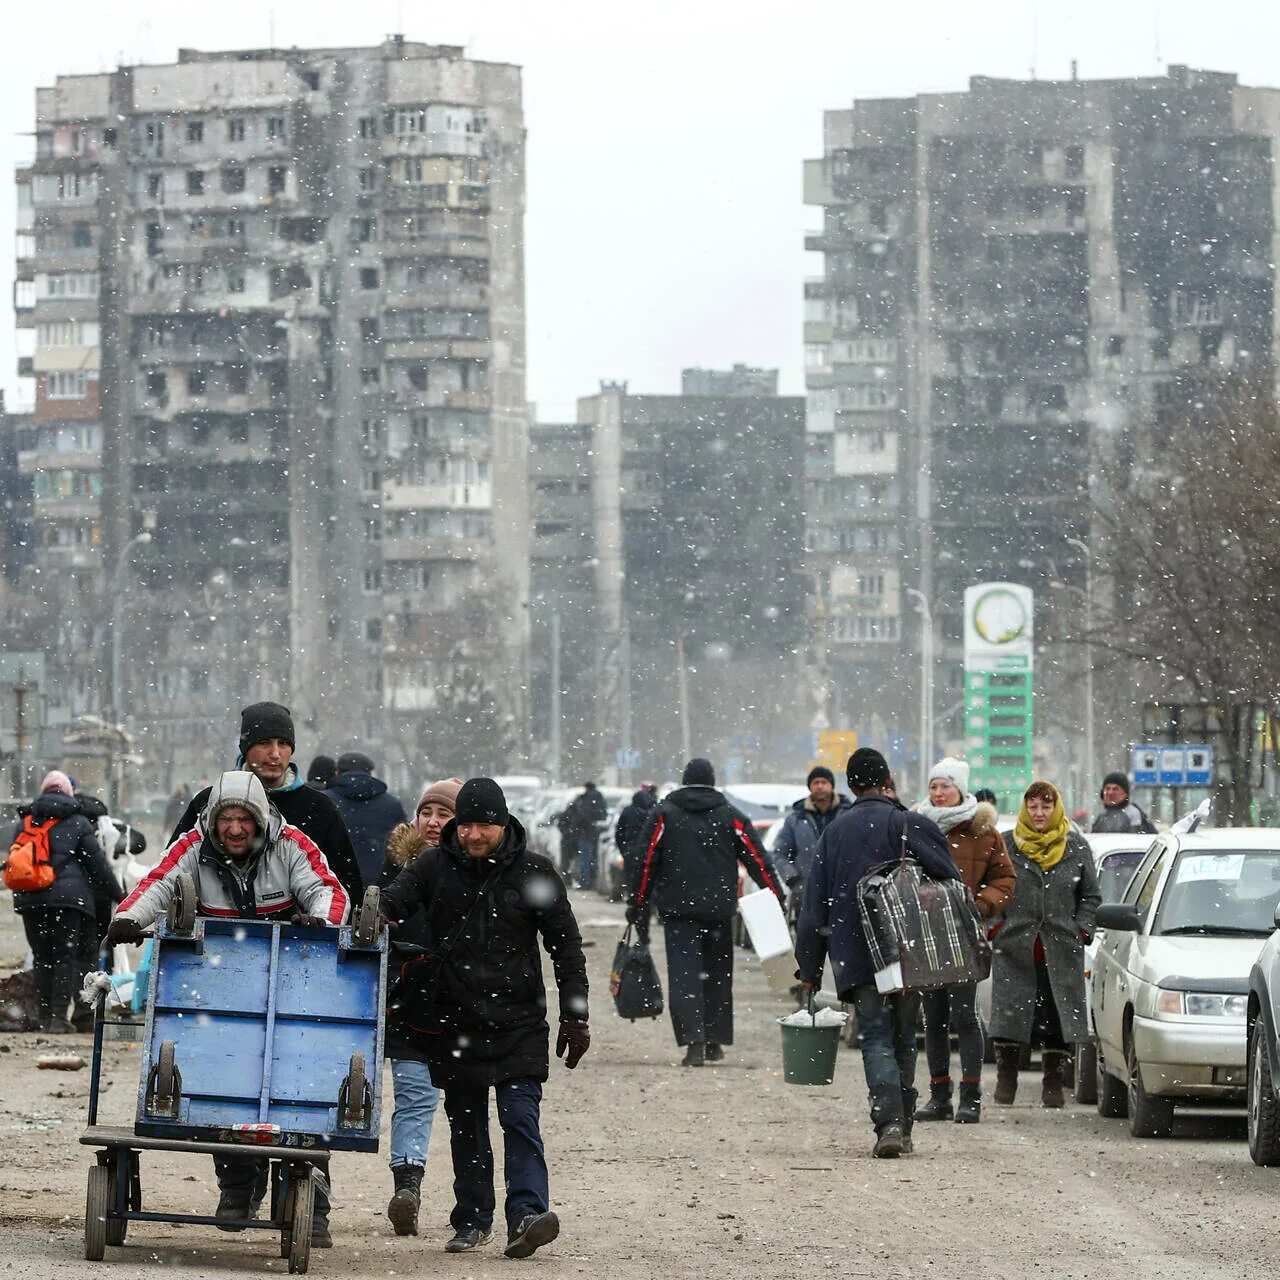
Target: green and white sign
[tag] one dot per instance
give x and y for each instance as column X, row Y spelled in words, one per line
column 998, row 688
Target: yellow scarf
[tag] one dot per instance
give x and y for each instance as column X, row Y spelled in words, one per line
column 1044, row 848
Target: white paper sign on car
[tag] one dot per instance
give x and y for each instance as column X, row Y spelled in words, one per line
column 1210, row 866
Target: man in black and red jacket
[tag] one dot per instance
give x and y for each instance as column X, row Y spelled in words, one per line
column 688, row 866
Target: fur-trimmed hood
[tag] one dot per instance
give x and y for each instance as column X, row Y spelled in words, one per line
column 984, row 818
column 405, row 843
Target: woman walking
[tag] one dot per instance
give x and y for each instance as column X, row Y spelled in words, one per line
column 980, row 853
column 416, row 1097
column 1037, row 972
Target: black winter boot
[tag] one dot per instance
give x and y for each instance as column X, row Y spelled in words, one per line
column 886, row 1115
column 1055, row 1062
column 909, row 1099
column 694, row 1056
column 970, row 1109
column 1007, row 1055
column 939, row 1105
column 403, row 1206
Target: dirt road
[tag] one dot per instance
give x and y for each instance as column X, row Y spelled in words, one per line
column 660, row 1171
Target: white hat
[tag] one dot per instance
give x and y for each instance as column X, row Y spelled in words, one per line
column 954, row 771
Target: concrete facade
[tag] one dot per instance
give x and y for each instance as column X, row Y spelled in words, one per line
column 279, row 302
column 1022, row 283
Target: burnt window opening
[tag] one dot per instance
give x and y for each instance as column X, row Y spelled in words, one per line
column 277, row 179
column 237, row 379
column 368, row 126
column 235, row 129
column 368, row 277
column 417, row 375
column 233, row 180
column 157, row 386
column 369, row 329
column 197, row 382
column 195, row 182
column 311, row 79
column 195, row 130
column 155, row 238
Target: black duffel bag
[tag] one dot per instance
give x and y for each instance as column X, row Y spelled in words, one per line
column 633, row 981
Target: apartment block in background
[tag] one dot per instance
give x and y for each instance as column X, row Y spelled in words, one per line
column 278, row 302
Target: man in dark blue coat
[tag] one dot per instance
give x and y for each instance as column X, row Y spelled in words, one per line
column 369, row 810
column 876, row 829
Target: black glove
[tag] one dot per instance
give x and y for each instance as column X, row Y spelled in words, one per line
column 309, row 922
column 576, row 1038
column 122, row 929
column 635, row 914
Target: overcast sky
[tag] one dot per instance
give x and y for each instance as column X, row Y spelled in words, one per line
column 665, row 226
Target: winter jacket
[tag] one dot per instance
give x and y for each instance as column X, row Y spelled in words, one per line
column 311, row 812
column 490, row 1002
column 801, row 828
column 690, row 849
column 583, row 815
column 1057, row 906
column 979, row 852
column 630, row 824
column 288, row 874
column 80, row 869
column 370, row 812
column 830, row 923
column 1124, row 819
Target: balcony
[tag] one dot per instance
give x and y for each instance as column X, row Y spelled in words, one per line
column 436, row 349
column 415, row 496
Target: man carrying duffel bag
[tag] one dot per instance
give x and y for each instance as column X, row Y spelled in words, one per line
column 876, row 830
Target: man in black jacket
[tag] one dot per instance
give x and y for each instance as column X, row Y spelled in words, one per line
column 876, row 829
column 488, row 898
column 630, row 826
column 267, row 744
column 369, row 811
column 690, row 849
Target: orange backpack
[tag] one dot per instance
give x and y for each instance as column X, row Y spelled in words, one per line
column 27, row 868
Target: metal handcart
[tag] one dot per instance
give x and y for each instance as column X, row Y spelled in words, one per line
column 262, row 1041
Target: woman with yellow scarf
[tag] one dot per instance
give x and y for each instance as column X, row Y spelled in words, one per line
column 1037, row 971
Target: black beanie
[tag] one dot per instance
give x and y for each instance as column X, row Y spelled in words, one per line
column 354, row 762
column 321, row 769
column 867, row 768
column 1120, row 779
column 698, row 773
column 820, row 771
column 481, row 800
column 263, row 720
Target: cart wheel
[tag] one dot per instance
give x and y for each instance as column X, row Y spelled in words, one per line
column 182, row 907
column 117, row 1228
column 95, row 1213
column 366, row 930
column 353, row 1114
column 286, row 1216
column 164, row 1072
column 304, row 1199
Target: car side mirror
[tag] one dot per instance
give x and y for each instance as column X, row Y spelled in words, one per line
column 1115, row 915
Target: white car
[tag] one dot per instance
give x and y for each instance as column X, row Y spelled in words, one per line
column 1171, row 974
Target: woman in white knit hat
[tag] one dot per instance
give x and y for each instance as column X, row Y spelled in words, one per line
column 984, row 862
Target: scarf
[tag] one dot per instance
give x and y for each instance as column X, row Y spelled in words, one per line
column 1044, row 848
column 953, row 815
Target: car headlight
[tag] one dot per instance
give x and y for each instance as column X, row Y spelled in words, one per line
column 1201, row 1004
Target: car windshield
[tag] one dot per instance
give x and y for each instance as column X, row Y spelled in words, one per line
column 1228, row 891
column 1116, row 871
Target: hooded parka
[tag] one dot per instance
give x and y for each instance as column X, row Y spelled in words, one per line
column 80, row 868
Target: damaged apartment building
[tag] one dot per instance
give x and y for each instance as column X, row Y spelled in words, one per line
column 1022, row 284
column 277, row 301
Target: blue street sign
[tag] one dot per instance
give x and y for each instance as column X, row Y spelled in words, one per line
column 628, row 757
column 1199, row 766
column 1145, row 766
column 1164, row 766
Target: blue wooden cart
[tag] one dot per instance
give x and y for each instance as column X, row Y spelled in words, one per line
column 261, row 1041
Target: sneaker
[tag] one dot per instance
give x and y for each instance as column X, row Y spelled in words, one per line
column 233, row 1207
column 320, row 1237
column 466, row 1238
column 889, row 1143
column 715, row 1052
column 694, row 1056
column 531, row 1233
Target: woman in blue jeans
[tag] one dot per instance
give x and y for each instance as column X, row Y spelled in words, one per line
column 416, row 1097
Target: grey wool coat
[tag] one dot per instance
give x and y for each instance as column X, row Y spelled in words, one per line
column 1058, row 907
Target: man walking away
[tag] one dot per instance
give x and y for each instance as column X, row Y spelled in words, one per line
column 1119, row 813
column 590, row 813
column 267, row 744
column 368, row 809
column 830, row 927
column 691, row 847
column 488, row 899
column 630, row 826
column 803, row 827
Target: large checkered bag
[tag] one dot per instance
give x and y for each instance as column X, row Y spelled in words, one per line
column 923, row 933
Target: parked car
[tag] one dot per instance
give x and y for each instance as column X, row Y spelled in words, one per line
column 1116, row 857
column 542, row 832
column 1262, row 1018
column 1171, row 974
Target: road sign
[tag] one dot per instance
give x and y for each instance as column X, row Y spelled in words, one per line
column 1157, row 765
column 832, row 748
column 628, row 757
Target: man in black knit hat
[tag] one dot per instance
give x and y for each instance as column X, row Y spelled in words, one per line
column 876, row 829
column 1119, row 813
column 687, row 864
column 267, row 743
column 488, row 898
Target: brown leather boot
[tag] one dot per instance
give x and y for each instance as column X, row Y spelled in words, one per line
column 1007, row 1055
column 1055, row 1062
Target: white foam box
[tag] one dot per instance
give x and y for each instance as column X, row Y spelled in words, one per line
column 770, row 938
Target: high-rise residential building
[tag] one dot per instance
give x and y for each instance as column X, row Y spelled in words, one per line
column 1022, row 282
column 667, row 547
column 278, row 302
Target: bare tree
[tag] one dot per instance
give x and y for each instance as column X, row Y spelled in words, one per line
column 1191, row 550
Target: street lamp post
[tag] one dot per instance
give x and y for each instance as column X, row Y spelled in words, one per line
column 117, row 624
column 1091, row 762
column 926, row 680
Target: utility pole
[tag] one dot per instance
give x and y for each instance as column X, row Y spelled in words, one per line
column 1091, row 762
column 682, row 696
column 926, row 681
column 554, row 726
column 624, row 677
column 20, row 691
